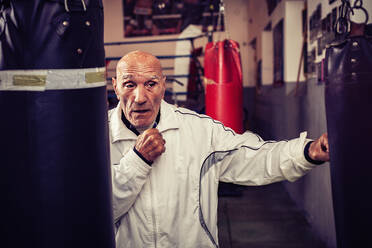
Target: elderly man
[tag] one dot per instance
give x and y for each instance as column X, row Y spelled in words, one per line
column 167, row 162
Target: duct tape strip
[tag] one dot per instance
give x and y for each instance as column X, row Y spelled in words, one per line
column 54, row 79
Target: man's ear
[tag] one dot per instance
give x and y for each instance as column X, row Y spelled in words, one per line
column 115, row 89
column 164, row 85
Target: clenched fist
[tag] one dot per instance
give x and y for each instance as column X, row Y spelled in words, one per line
column 319, row 149
column 150, row 144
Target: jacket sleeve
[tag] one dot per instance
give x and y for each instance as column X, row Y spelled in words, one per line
column 248, row 160
column 128, row 178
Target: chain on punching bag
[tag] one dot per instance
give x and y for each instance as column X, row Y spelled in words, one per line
column 54, row 162
column 348, row 98
column 223, row 82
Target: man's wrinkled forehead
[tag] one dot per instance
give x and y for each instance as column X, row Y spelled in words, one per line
column 133, row 76
column 148, row 69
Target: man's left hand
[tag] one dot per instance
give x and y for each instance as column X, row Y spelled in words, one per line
column 319, row 149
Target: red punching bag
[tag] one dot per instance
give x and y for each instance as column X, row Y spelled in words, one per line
column 223, row 78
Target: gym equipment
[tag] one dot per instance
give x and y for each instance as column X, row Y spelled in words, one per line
column 54, row 162
column 348, row 95
column 223, row 80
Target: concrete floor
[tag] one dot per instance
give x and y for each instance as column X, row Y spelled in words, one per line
column 262, row 217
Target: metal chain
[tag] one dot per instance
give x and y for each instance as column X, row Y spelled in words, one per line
column 82, row 2
column 222, row 14
column 345, row 9
column 358, row 5
column 342, row 24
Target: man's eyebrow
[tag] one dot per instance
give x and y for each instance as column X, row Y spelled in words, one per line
column 156, row 77
column 129, row 76
column 126, row 76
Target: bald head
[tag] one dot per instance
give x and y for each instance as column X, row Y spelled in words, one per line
column 138, row 61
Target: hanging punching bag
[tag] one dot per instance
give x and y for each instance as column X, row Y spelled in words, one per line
column 54, row 156
column 223, row 80
column 348, row 98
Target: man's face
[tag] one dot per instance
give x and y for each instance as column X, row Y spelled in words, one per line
column 140, row 87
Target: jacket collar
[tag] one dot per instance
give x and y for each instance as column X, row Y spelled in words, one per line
column 119, row 131
column 132, row 128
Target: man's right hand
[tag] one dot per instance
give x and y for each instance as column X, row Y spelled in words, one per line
column 150, row 144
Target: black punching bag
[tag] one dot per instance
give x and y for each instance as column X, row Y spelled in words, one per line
column 55, row 183
column 348, row 98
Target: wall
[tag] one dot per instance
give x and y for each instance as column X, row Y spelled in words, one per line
column 292, row 30
column 267, row 44
column 279, row 116
column 293, row 40
column 114, row 32
column 236, row 23
column 283, row 112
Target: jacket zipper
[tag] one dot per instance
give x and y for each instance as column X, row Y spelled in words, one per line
column 153, row 212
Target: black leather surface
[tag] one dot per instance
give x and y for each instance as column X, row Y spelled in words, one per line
column 33, row 34
column 54, row 169
column 348, row 98
column 55, row 182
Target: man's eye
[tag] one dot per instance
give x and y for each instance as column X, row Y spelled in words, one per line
column 128, row 85
column 151, row 84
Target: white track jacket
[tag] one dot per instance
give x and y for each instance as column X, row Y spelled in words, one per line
column 173, row 203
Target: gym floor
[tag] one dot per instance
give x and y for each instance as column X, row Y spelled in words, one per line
column 262, row 217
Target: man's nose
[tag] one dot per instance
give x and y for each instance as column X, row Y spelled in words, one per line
column 140, row 94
